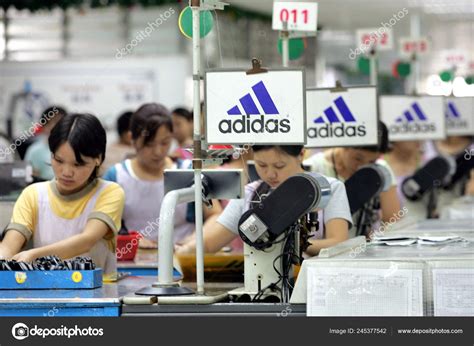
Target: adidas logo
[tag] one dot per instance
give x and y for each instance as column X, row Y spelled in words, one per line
column 409, row 117
column 331, row 126
column 412, row 120
column 249, row 122
column 453, row 117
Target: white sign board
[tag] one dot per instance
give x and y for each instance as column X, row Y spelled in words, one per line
column 338, row 291
column 378, row 38
column 413, row 118
column 299, row 16
column 264, row 108
column 409, row 46
column 345, row 118
column 453, row 292
column 455, row 58
column 459, row 112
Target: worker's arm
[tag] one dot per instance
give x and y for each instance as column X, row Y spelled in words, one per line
column 70, row 247
column 11, row 244
column 216, row 237
column 470, row 184
column 389, row 204
column 336, row 230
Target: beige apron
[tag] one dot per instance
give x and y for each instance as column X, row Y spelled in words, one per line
column 51, row 228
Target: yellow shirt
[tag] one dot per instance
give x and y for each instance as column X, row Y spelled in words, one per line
column 108, row 207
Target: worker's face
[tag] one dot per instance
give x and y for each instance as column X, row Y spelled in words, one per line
column 71, row 176
column 407, row 146
column 182, row 129
column 353, row 159
column 152, row 155
column 274, row 166
column 126, row 138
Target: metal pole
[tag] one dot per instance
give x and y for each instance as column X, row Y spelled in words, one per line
column 197, row 161
column 6, row 23
column 373, row 69
column 65, row 33
column 285, row 49
column 415, row 33
column 165, row 236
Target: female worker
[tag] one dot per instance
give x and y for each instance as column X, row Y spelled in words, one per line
column 274, row 165
column 142, row 177
column 76, row 213
column 342, row 163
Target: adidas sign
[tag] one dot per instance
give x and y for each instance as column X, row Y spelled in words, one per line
column 334, row 127
column 253, row 120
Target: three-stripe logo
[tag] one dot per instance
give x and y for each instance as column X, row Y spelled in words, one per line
column 249, row 106
column 454, row 117
column 255, row 113
column 452, row 111
column 332, row 116
column 408, row 115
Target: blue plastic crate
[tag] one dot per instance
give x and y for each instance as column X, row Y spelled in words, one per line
column 50, row 279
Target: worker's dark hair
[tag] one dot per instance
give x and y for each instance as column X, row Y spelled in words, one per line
column 148, row 119
column 84, row 133
column 383, row 144
column 292, row 150
column 123, row 122
column 184, row 113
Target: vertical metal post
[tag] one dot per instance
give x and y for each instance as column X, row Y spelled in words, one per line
column 415, row 33
column 6, row 22
column 373, row 68
column 197, row 160
column 65, row 33
column 285, row 49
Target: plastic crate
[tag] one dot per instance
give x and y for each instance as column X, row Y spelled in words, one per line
column 50, row 279
column 127, row 246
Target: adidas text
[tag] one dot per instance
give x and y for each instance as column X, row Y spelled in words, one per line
column 413, row 127
column 260, row 125
column 341, row 130
column 456, row 124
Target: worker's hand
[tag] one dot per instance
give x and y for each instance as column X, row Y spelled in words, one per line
column 4, row 256
column 184, row 249
column 25, row 256
column 147, row 244
column 4, row 253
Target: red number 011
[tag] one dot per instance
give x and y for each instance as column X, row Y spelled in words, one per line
column 285, row 15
